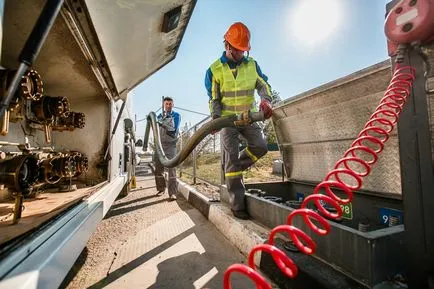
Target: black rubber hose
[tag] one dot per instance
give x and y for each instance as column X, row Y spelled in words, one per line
column 194, row 140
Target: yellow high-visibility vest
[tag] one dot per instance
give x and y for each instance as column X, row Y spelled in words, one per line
column 237, row 93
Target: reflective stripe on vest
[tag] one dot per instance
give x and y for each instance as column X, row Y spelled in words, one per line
column 234, row 174
column 251, row 155
column 238, row 94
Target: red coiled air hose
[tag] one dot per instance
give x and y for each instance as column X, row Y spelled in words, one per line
column 362, row 153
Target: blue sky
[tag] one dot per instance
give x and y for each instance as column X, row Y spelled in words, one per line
column 298, row 48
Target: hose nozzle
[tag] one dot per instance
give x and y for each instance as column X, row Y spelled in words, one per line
column 248, row 117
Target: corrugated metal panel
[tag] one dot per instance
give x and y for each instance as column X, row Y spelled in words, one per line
column 315, row 128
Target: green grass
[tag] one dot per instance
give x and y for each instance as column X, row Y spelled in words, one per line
column 208, row 168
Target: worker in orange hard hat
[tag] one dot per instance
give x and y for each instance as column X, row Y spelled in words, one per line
column 238, row 35
column 231, row 82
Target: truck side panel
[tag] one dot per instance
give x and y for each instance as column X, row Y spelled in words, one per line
column 315, row 128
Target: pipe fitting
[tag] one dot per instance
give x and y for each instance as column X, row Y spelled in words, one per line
column 19, row 173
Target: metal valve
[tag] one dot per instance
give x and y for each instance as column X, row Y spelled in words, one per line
column 81, row 161
column 64, row 167
column 19, row 173
column 30, row 89
column 48, row 107
column 69, row 121
column 31, row 85
column 54, row 168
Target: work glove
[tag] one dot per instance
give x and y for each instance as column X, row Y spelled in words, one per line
column 265, row 106
column 215, row 131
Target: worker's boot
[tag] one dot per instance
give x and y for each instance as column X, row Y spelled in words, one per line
column 243, row 215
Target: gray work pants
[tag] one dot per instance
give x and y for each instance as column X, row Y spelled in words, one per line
column 160, row 182
column 236, row 162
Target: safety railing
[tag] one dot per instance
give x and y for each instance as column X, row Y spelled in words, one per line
column 205, row 163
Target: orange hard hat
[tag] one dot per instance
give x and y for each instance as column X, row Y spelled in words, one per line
column 238, row 35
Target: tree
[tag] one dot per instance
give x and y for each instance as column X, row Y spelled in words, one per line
column 184, row 136
column 269, row 132
column 275, row 97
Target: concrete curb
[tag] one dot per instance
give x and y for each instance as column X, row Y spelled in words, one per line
column 243, row 234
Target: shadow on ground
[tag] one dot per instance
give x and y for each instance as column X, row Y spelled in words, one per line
column 184, row 270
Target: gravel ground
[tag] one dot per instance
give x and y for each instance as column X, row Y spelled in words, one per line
column 210, row 191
